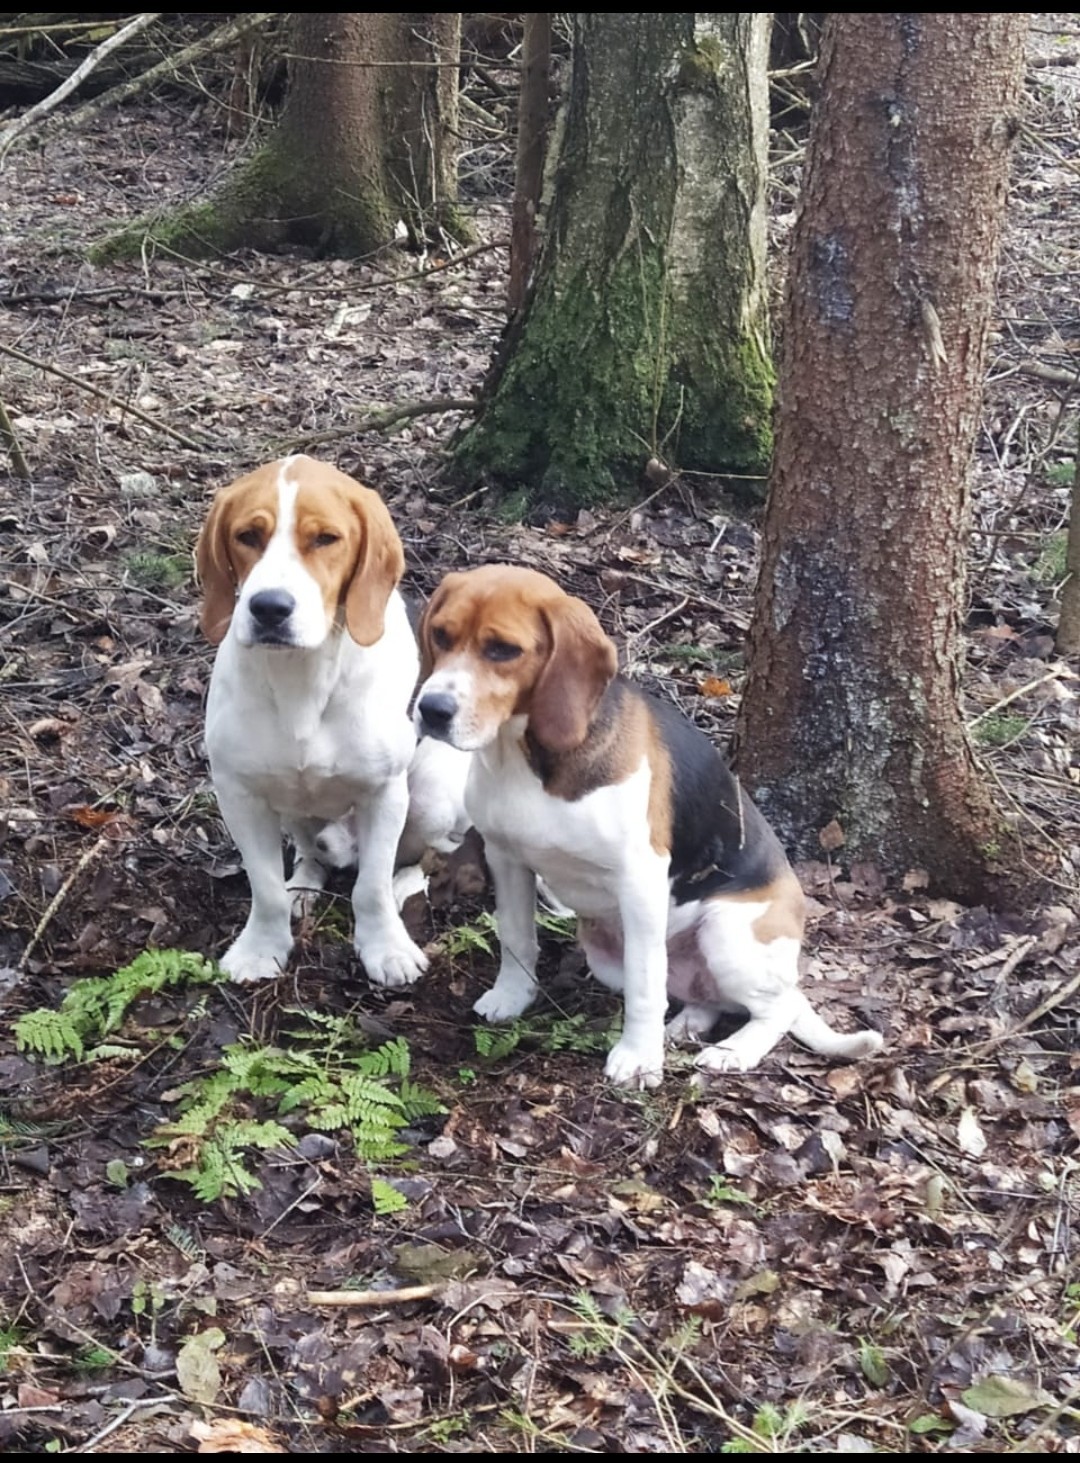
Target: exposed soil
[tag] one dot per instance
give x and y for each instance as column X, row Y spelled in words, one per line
column 805, row 1258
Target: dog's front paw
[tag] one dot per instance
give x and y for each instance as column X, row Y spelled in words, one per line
column 392, row 960
column 247, row 961
column 721, row 1058
column 635, row 1066
column 506, row 1001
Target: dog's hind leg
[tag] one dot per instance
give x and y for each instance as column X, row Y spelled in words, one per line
column 309, row 872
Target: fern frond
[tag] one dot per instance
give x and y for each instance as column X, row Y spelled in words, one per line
column 386, row 1199
column 53, row 1035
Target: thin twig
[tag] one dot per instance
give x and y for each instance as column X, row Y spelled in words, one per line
column 217, row 40
column 118, row 1421
column 19, row 465
column 401, row 1296
column 379, row 421
column 142, row 416
column 449, row 263
column 660, row 619
column 1055, row 999
column 14, row 130
column 1051, row 675
column 58, row 898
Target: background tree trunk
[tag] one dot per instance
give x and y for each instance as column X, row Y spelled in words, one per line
column 645, row 331
column 851, row 711
column 367, row 137
column 533, row 106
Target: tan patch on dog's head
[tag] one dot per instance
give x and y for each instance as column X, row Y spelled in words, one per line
column 343, row 537
column 528, row 648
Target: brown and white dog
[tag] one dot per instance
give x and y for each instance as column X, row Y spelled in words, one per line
column 628, row 815
column 307, row 718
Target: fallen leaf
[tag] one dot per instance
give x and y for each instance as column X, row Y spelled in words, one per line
column 831, row 837
column 231, row 1435
column 969, row 1135
column 715, row 686
column 197, row 1370
column 998, row 1396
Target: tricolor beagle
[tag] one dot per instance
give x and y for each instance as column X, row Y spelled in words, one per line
column 307, row 716
column 629, row 816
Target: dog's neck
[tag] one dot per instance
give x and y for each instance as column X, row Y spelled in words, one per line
column 301, row 681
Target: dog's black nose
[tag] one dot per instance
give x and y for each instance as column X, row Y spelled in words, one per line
column 437, row 711
column 270, row 608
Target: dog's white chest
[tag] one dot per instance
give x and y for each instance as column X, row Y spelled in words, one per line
column 578, row 848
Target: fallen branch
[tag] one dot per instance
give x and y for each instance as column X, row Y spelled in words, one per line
column 15, row 130
column 379, row 421
column 372, row 1297
column 142, row 416
column 19, row 465
column 58, row 898
column 217, row 40
column 1050, row 373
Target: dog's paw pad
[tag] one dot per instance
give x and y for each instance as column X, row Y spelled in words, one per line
column 246, row 966
column 721, row 1059
column 393, row 965
column 500, row 1006
column 863, row 1044
column 630, row 1066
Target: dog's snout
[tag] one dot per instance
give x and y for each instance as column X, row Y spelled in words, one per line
column 270, row 608
column 437, row 711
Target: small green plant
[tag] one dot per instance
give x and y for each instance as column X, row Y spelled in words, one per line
column 721, row 1192
column 159, row 571
column 93, row 1358
column 326, row 1081
column 10, row 1338
column 97, row 1005
column 771, row 1430
column 1000, row 729
column 385, row 1199
column 468, row 938
column 1050, row 565
column 1061, row 474
column 872, row 1363
column 546, row 1033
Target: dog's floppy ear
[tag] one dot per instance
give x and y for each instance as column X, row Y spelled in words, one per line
column 578, row 671
column 378, row 568
column 215, row 570
column 423, row 631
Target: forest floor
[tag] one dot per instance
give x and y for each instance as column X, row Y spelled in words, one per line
column 803, row 1258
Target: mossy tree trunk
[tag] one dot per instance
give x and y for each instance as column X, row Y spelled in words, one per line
column 367, row 137
column 851, row 711
column 645, row 330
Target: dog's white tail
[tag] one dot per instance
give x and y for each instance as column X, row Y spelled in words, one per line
column 816, row 1033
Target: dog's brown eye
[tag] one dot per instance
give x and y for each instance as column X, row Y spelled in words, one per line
column 440, row 638
column 501, row 650
column 251, row 538
column 324, row 540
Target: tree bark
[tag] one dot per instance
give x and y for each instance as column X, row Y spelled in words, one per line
column 366, row 139
column 1068, row 631
column 533, row 106
column 852, row 708
column 645, row 331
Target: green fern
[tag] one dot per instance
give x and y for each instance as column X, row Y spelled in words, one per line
column 494, row 1044
column 97, row 1005
column 386, row 1199
column 323, row 1084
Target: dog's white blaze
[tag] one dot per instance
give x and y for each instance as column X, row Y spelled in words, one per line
column 282, row 567
column 467, row 731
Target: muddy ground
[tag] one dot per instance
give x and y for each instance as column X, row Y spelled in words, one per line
column 805, row 1258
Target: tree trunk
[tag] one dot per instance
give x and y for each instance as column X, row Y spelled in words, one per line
column 1067, row 641
column 851, row 711
column 533, row 106
column 645, row 331
column 366, row 138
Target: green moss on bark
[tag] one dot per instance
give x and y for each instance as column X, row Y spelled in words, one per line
column 275, row 198
column 602, row 378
